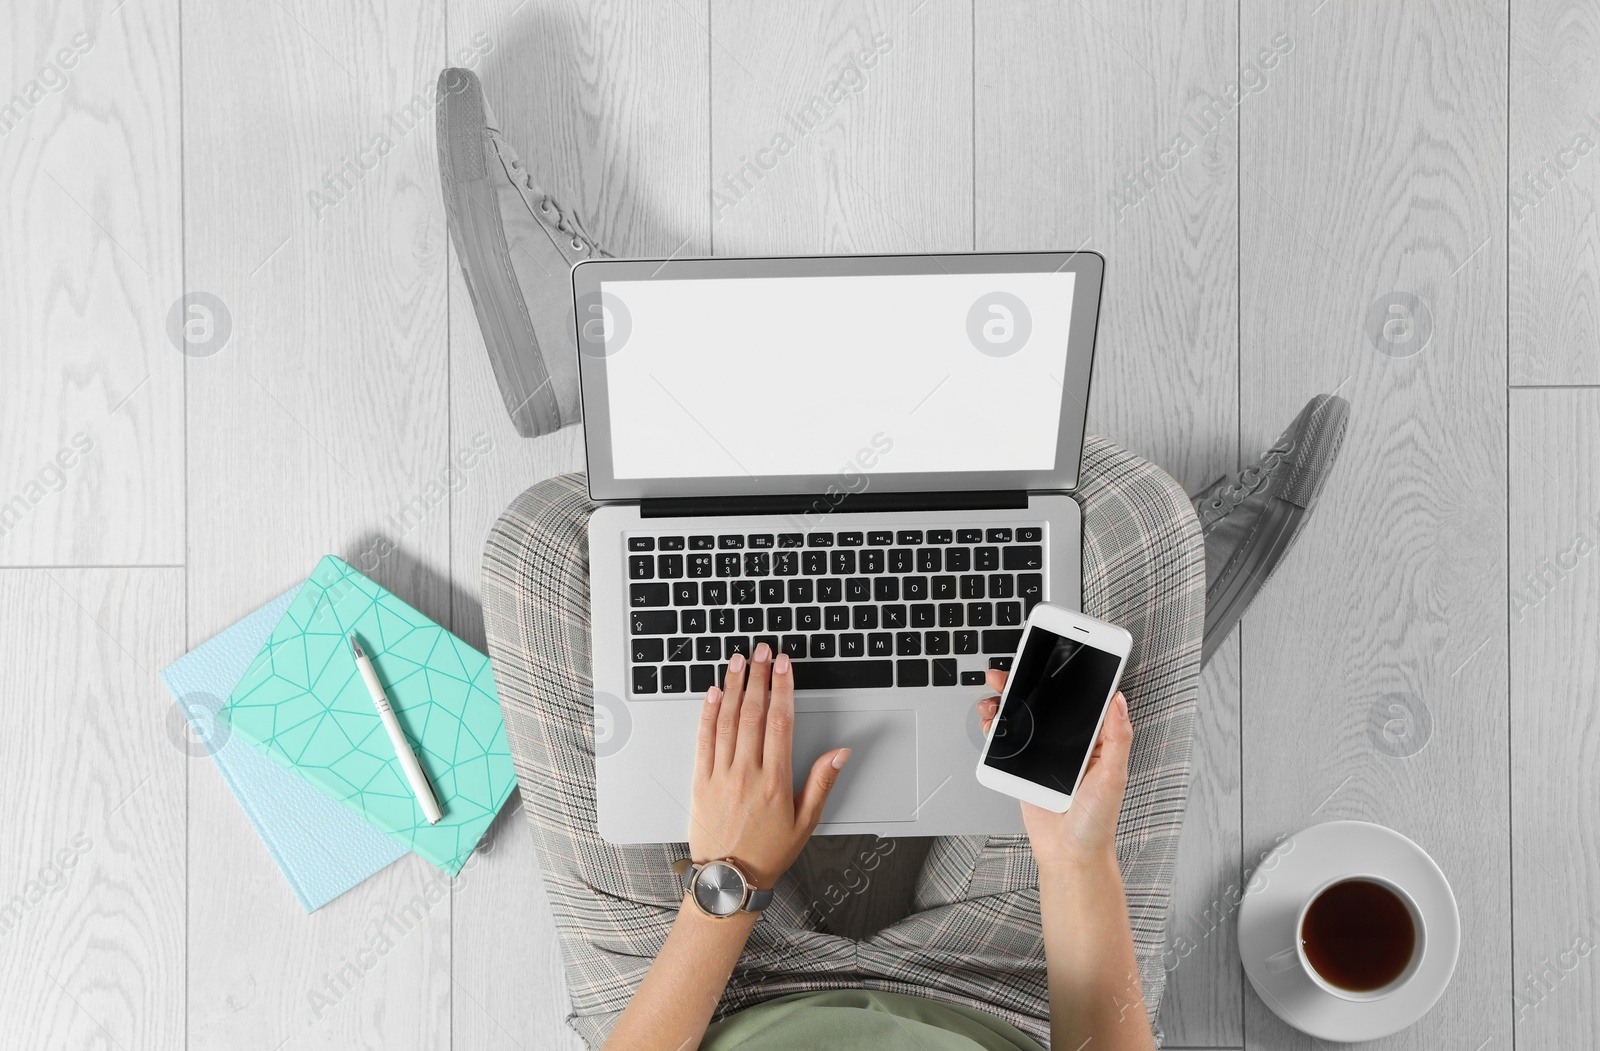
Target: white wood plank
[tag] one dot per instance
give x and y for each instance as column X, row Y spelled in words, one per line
column 1375, row 165
column 606, row 104
column 1555, row 672
column 1554, row 184
column 92, row 869
column 91, row 409
column 325, row 416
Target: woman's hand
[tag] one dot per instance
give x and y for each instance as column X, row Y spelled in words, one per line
column 1086, row 834
column 744, row 806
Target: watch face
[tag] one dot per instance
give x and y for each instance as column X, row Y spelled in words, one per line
column 719, row 889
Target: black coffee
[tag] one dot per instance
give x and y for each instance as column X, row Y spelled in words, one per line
column 1358, row 935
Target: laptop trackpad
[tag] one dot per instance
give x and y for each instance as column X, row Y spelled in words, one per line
column 879, row 783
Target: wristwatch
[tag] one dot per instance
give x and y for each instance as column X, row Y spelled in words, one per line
column 720, row 888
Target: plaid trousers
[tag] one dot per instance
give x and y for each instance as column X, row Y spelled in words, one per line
column 973, row 936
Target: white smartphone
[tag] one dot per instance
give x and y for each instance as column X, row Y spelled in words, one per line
column 1062, row 680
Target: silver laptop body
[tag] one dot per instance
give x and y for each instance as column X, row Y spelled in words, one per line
column 866, row 462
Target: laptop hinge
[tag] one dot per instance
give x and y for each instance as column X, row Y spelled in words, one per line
column 816, row 506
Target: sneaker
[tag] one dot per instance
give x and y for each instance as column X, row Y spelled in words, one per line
column 1250, row 520
column 517, row 248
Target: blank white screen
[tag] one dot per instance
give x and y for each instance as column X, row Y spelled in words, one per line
column 795, row 375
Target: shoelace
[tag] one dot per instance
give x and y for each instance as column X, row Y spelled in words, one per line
column 1250, row 478
column 557, row 216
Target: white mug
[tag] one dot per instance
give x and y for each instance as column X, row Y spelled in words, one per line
column 1295, row 955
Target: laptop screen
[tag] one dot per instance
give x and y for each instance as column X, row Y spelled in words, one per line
column 765, row 382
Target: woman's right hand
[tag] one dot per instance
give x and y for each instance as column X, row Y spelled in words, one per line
column 1087, row 833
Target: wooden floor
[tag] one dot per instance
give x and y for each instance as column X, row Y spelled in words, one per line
column 1432, row 158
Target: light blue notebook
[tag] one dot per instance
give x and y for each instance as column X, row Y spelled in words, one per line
column 322, row 847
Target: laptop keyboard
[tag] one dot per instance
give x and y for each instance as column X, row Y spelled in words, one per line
column 855, row 610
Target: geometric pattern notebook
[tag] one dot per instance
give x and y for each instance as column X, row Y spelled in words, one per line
column 322, row 848
column 303, row 702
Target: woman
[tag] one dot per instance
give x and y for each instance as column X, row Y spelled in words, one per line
column 744, row 808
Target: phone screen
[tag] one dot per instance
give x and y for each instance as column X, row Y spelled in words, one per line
column 1057, row 689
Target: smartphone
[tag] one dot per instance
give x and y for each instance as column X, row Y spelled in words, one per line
column 1061, row 683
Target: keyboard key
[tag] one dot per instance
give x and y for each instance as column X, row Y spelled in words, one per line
column 814, row 563
column 694, row 621
column 944, row 672
column 911, row 673
column 794, row 646
column 849, row 539
column 686, row 593
column 736, row 644
column 700, row 565
column 1008, row 613
column 866, row 618
column 951, row 615
column 836, row 618
column 908, row 536
column 644, row 680
column 702, row 543
column 830, row 589
column 822, row 646
column 781, row 618
column 944, row 587
column 729, row 542
column 936, row 642
column 915, row 588
column 744, row 592
column 901, row 560
column 791, row 540
column 800, row 592
column 969, row 536
column 641, row 543
column 1031, row 585
column 940, row 536
column 808, row 618
column 999, row 536
column 980, row 614
column 966, row 642
column 858, row 589
column 958, row 559
column 770, row 640
column 908, row 644
column 670, row 567
column 1030, row 535
column 722, row 621
column 654, row 622
column 771, row 592
column 785, row 563
column 1000, row 663
column 760, row 540
column 648, row 651
column 702, row 677
column 1000, row 585
column 972, row 678
column 644, row 595
column 884, row 589
column 843, row 675
column 727, row 565
column 680, row 650
column 972, row 586
column 881, row 538
column 757, row 564
column 929, row 560
column 1001, row 640
column 922, row 615
column 872, row 561
column 843, row 563
column 752, row 619
column 641, row 567
column 708, row 648
column 819, row 539
column 671, row 543
column 852, row 645
column 894, row 616
column 1024, row 557
column 880, row 644
column 986, row 559
column 714, row 592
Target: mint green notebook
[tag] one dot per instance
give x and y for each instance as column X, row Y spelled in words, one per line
column 303, row 702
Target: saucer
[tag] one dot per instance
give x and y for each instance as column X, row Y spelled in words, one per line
column 1281, row 885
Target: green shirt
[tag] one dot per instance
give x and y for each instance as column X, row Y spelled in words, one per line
column 863, row 1020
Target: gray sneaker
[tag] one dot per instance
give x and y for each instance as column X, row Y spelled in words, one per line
column 517, row 247
column 1250, row 520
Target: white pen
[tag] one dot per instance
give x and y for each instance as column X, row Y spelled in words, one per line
column 402, row 748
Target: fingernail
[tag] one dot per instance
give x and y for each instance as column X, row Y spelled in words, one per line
column 781, row 665
column 736, row 663
column 762, row 654
column 1122, row 704
column 840, row 758
column 713, row 695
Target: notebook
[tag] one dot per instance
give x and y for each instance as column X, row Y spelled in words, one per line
column 322, row 848
column 303, row 702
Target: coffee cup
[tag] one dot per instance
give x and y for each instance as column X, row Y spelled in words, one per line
column 1358, row 937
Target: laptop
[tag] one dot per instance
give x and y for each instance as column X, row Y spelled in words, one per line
column 865, row 462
